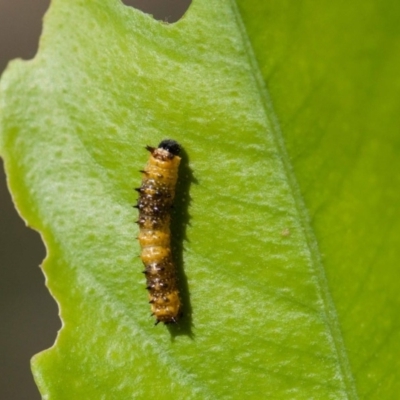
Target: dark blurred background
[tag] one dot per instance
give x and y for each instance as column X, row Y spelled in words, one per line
column 28, row 314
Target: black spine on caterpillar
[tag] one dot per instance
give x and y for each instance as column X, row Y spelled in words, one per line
column 156, row 196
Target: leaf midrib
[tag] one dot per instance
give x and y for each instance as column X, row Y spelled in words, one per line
column 331, row 316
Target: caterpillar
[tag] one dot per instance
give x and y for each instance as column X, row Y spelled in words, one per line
column 156, row 196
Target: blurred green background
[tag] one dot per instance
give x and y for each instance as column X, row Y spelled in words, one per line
column 28, row 315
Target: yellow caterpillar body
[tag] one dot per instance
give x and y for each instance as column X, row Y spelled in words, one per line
column 156, row 195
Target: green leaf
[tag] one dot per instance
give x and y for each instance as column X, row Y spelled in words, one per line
column 287, row 212
column 332, row 74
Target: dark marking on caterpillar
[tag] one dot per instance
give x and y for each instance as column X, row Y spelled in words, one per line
column 156, row 196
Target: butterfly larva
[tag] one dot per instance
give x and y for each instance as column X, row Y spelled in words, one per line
column 156, row 195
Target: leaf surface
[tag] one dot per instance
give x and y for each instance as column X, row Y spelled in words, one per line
column 331, row 73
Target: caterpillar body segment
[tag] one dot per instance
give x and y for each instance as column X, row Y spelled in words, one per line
column 156, row 196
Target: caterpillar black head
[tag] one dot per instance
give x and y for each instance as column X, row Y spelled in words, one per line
column 170, row 145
